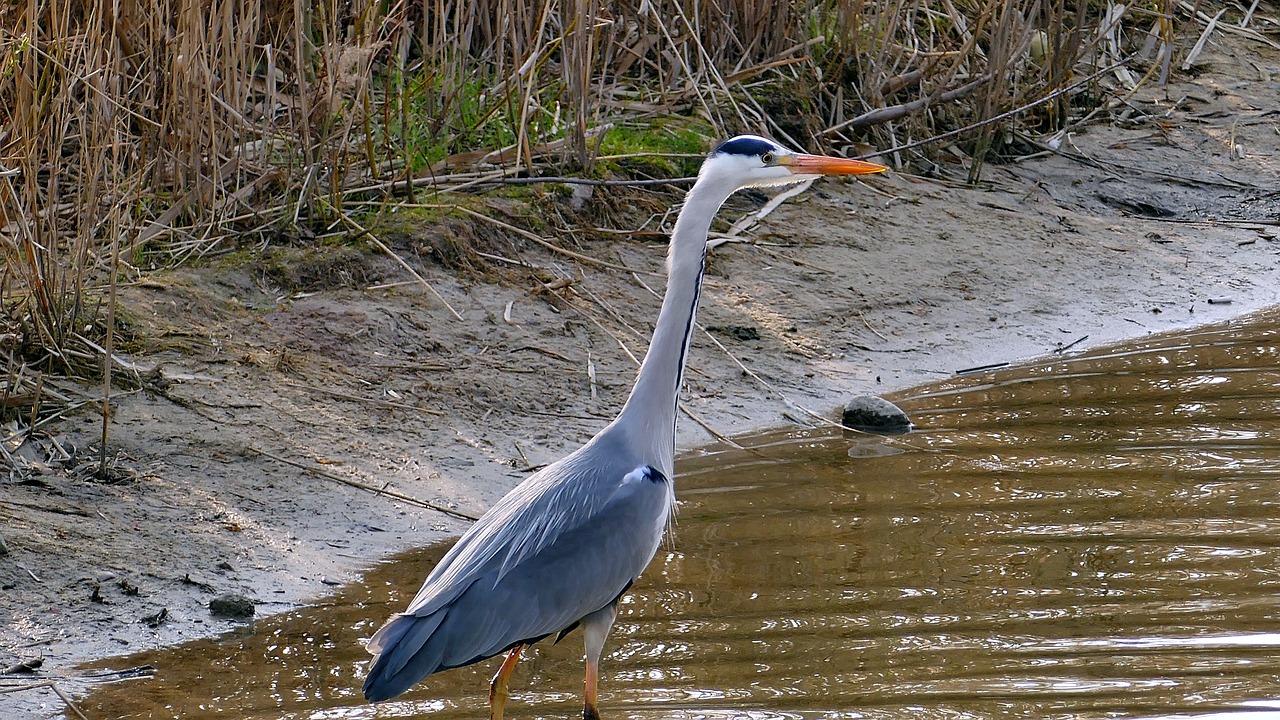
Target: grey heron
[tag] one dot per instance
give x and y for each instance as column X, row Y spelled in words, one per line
column 561, row 548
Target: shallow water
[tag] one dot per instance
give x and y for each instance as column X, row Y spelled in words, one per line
column 1092, row 537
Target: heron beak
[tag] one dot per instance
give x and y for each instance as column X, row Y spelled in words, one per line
column 802, row 164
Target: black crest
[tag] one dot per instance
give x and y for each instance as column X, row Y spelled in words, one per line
column 745, row 145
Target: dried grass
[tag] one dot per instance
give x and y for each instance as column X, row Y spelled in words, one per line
column 140, row 133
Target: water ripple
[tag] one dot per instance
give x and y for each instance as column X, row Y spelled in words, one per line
column 1090, row 537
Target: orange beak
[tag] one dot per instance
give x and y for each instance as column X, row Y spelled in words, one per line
column 801, row 164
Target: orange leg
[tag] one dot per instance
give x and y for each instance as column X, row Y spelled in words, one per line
column 590, row 710
column 595, row 628
column 498, row 688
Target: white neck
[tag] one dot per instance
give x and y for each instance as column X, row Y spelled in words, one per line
column 650, row 412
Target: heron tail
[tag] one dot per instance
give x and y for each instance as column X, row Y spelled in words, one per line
column 404, row 655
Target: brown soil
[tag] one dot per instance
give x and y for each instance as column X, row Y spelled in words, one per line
column 267, row 384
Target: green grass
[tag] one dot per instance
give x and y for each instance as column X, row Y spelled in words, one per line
column 429, row 117
column 665, row 147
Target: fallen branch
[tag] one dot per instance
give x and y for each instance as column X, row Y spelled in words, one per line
column 997, row 118
column 1063, row 348
column 586, row 181
column 545, row 243
column 982, row 368
column 362, row 486
column 897, row 112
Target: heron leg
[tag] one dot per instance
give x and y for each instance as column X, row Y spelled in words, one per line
column 498, row 687
column 595, row 628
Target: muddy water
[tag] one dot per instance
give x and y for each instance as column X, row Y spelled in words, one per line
column 1097, row 536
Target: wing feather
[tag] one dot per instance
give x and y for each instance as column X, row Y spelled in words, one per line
column 544, row 507
column 580, row 572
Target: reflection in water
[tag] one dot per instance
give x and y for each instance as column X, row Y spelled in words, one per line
column 1092, row 537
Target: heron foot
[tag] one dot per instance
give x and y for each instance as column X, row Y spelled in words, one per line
column 589, row 712
column 498, row 687
column 497, row 701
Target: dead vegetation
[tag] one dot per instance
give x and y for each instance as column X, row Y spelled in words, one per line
column 141, row 134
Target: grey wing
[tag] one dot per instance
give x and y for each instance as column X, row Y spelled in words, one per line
column 573, row 574
column 546, row 505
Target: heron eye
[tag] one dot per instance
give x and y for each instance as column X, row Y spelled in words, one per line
column 767, row 158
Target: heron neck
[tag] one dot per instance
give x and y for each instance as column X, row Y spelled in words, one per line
column 650, row 411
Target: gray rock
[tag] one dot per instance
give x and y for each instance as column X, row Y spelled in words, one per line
column 869, row 413
column 236, row 607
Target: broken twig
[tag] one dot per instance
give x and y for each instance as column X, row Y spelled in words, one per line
column 362, row 486
column 57, row 691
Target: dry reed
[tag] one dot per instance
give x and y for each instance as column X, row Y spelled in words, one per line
column 140, row 133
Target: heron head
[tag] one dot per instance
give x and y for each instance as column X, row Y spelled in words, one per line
column 753, row 161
